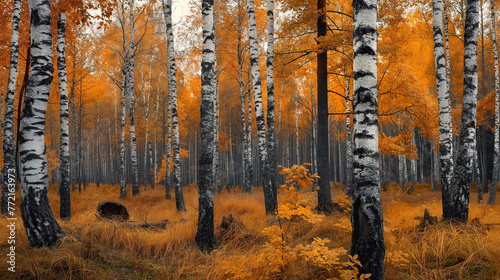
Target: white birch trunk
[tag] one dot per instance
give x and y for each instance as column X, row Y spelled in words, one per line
column 249, row 164
column 39, row 221
column 131, row 92
column 467, row 138
column 413, row 162
column 2, row 107
column 205, row 233
column 216, row 161
column 477, row 174
column 169, row 147
column 123, row 181
column 271, row 145
column 246, row 177
column 65, row 202
column 403, row 177
column 153, row 156
column 112, row 144
column 271, row 201
column 297, row 127
column 74, row 132
column 348, row 137
column 367, row 221
column 146, row 98
column 445, row 120
column 496, row 154
column 98, row 148
column 8, row 122
column 172, row 88
column 446, row 36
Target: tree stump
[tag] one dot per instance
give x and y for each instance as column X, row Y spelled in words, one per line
column 229, row 228
column 426, row 221
column 113, row 211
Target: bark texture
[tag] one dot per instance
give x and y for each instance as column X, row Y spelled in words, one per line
column 8, row 125
column 467, row 138
column 245, row 158
column 348, row 139
column 249, row 164
column 65, row 206
column 367, row 221
column 131, row 100
column 205, row 234
column 172, row 88
column 324, row 194
column 445, row 129
column 271, row 200
column 168, row 185
column 496, row 155
column 271, row 145
column 39, row 221
column 123, row 181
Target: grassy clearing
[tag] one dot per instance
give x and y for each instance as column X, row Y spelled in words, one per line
column 98, row 249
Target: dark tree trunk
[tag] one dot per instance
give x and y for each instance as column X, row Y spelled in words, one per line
column 324, row 194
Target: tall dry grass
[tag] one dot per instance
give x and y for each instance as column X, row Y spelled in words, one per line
column 100, row 249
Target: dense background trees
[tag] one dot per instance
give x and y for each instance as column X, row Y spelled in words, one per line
column 134, row 101
column 407, row 94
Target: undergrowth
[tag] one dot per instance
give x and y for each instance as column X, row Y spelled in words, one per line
column 311, row 246
column 279, row 257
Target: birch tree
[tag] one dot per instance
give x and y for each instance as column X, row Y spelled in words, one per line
column 271, row 200
column 447, row 54
column 246, row 176
column 205, row 233
column 123, row 186
column 297, row 145
column 131, row 100
column 172, row 88
column 39, row 221
column 496, row 154
column 445, row 128
column 367, row 221
column 314, row 163
column 74, row 131
column 324, row 194
column 467, row 138
column 249, row 164
column 271, row 145
column 2, row 99
column 168, row 186
column 216, row 126
column 65, row 205
column 147, row 145
column 8, row 125
column 348, row 137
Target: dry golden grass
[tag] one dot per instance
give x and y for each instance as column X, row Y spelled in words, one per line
column 99, row 249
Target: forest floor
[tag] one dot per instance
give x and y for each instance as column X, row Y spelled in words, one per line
column 99, row 249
